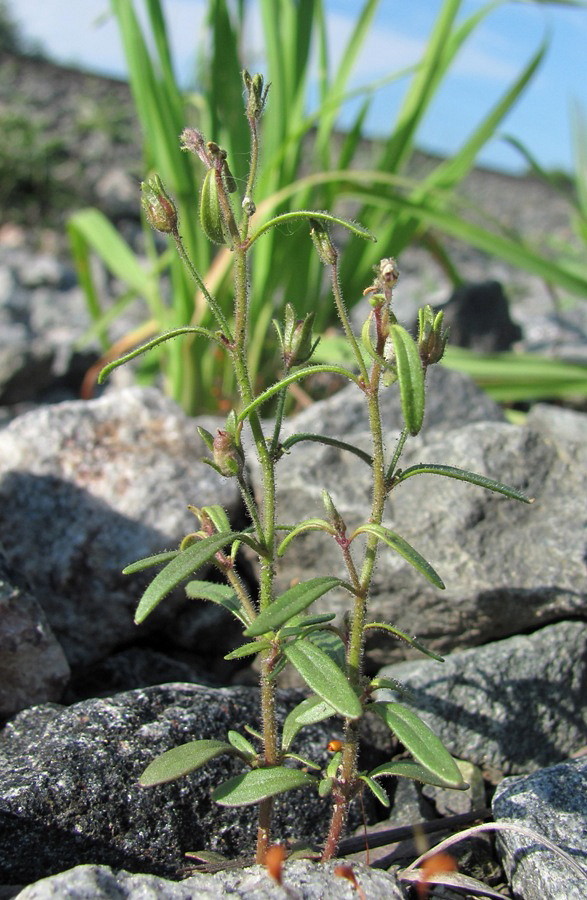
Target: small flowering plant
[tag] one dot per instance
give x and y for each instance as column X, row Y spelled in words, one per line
column 280, row 628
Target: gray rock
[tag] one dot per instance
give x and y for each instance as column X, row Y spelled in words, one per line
column 86, row 488
column 69, row 792
column 553, row 803
column 558, row 423
column 302, row 879
column 33, row 668
column 508, row 567
column 514, row 706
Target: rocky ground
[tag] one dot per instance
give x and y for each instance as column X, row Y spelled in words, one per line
column 87, row 698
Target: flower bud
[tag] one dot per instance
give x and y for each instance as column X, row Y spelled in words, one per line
column 228, row 455
column 159, row 208
column 334, row 517
column 321, row 239
column 256, row 94
column 431, row 338
column 298, row 340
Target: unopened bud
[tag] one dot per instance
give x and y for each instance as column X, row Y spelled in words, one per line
column 431, row 338
column 321, row 239
column 334, row 517
column 159, row 208
column 228, row 456
column 298, row 340
column 256, row 94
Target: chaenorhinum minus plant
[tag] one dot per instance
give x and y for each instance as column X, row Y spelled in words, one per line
column 280, row 629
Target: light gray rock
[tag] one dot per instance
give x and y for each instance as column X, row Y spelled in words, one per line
column 33, row 668
column 302, row 879
column 553, row 803
column 507, row 566
column 69, row 791
column 88, row 487
column 558, row 422
column 514, row 706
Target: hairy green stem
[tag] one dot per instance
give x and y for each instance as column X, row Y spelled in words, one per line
column 348, row 769
column 235, row 582
column 211, row 301
column 266, row 535
column 345, row 321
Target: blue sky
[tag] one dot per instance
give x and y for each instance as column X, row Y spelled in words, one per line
column 82, row 33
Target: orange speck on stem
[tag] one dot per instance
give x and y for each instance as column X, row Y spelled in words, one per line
column 334, row 746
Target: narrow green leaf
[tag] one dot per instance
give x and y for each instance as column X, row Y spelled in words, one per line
column 181, row 567
column 298, row 375
column 464, row 475
column 144, row 348
column 301, row 624
column 328, row 441
column 149, row 561
column 376, row 789
column 308, row 712
column 405, row 768
column 240, row 743
column 401, row 546
column 289, row 604
column 258, row 784
column 412, row 641
column 314, row 524
column 221, row 594
column 426, row 748
column 249, row 649
column 182, row 760
column 324, row 677
column 410, row 375
column 308, row 214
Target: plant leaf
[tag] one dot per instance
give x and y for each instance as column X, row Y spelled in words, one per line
column 308, row 712
column 463, row 475
column 293, row 601
column 410, row 373
column 149, row 561
column 426, row 748
column 217, row 593
column 401, row 546
column 182, row 760
column 249, row 649
column 324, row 677
column 406, row 768
column 240, row 743
column 412, row 641
column 376, row 789
column 181, row 567
column 331, row 643
column 314, row 524
column 258, row 784
column 299, row 624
